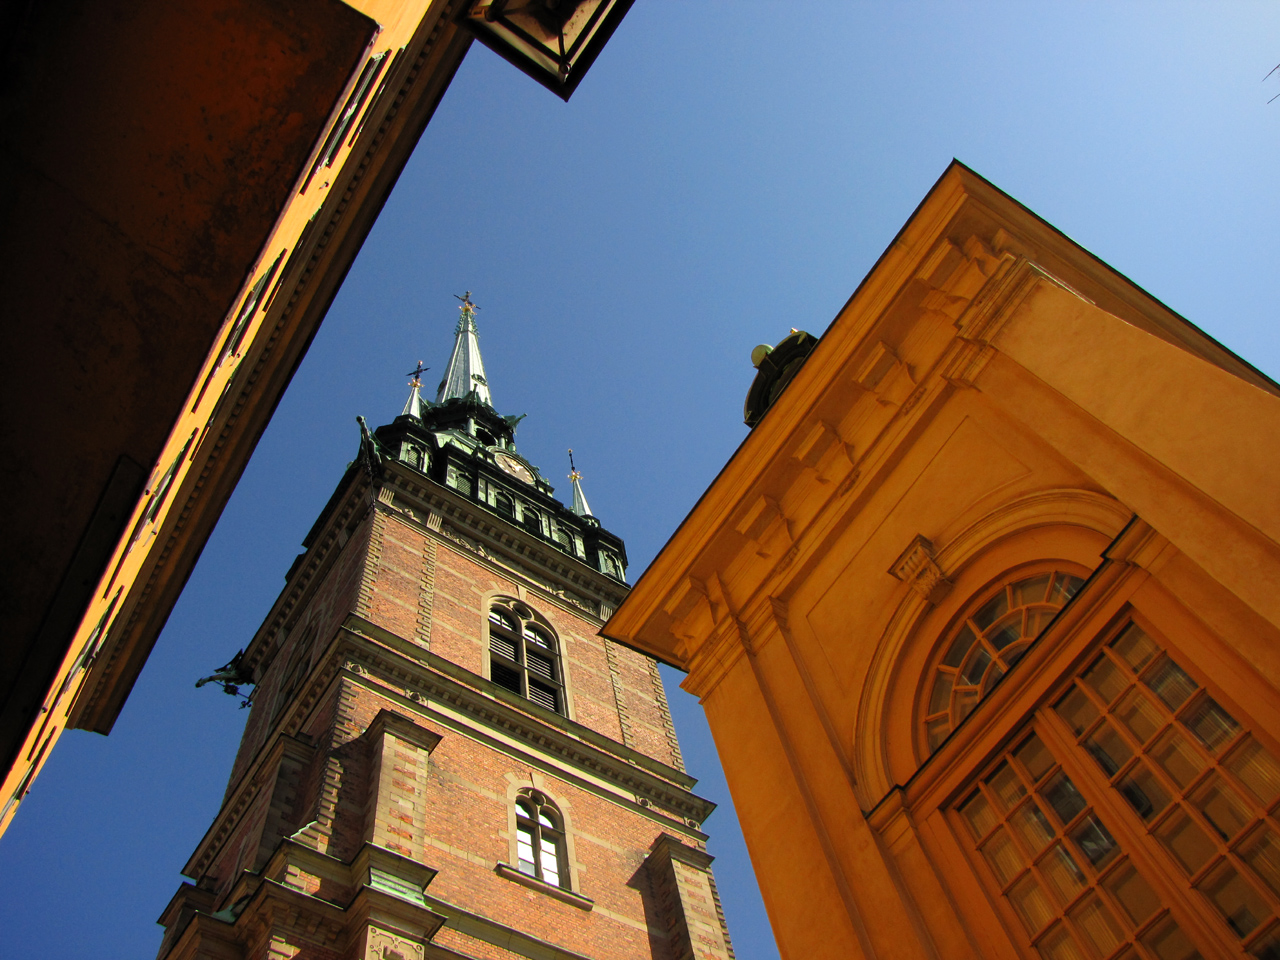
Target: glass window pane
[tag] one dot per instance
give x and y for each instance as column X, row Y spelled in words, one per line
column 1064, row 588
column 550, row 867
column 1262, row 853
column 1257, row 770
column 1143, row 791
column 1032, row 590
column 1108, row 748
column 965, row 700
column 1077, row 710
column 1065, row 879
column 1106, row 679
column 1135, row 896
column 959, row 647
column 1007, row 786
column 1167, row 941
column 544, row 818
column 1139, row 716
column 1178, row 758
column 1006, row 632
column 1031, row 825
column 1003, row 857
column 1094, row 841
column 991, row 611
column 940, row 699
column 979, row 815
column 1240, row 905
column 1062, row 795
column 1097, row 925
column 1034, row 757
column 1058, row 945
column 1135, row 647
column 938, row 730
column 1267, row 947
column 1031, row 903
column 1212, row 725
column 1222, row 807
column 1170, row 683
column 1186, row 841
column 977, row 666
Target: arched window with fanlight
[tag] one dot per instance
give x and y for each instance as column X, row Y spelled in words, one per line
column 540, row 847
column 985, row 643
column 524, row 656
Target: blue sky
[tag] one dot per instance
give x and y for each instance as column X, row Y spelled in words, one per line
column 726, row 171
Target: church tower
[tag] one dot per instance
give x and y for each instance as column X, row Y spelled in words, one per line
column 444, row 758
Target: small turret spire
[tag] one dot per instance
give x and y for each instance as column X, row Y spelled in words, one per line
column 580, row 506
column 413, row 406
column 465, row 373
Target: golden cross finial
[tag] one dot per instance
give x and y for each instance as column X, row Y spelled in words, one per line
column 416, row 375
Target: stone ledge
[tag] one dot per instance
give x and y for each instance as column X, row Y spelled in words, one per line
column 568, row 896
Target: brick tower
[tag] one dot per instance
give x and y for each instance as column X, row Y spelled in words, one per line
column 443, row 758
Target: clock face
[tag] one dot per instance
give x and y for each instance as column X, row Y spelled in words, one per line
column 514, row 467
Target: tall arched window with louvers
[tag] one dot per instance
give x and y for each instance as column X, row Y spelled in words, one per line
column 539, row 838
column 524, row 656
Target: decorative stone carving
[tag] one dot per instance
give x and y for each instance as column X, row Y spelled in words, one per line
column 917, row 568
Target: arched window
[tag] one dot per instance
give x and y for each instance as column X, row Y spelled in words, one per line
column 523, row 655
column 540, row 839
column 532, row 519
column 989, row 639
column 504, row 505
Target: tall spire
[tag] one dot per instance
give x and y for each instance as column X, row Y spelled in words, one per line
column 465, row 372
column 580, row 506
column 413, row 406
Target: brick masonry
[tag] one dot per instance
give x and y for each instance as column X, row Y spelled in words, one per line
column 381, row 737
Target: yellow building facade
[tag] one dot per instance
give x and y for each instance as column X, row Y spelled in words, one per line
column 985, row 615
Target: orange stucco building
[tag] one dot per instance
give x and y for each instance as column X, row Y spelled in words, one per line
column 984, row 614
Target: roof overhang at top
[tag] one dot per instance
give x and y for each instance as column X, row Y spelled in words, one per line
column 960, row 207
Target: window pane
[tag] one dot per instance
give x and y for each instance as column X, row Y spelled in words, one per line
column 959, row 647
column 1178, row 758
column 1033, row 756
column 1108, row 748
column 1094, row 841
column 1186, row 841
column 1134, row 895
column 540, row 665
column 1262, row 853
column 965, row 701
column 991, row 611
column 1170, row 683
column 1077, row 710
column 1064, row 588
column 1143, row 791
column 1064, row 877
column 1167, row 941
column 1030, row 591
column 940, row 699
column 536, row 636
column 1267, row 947
column 1032, row 827
column 1135, row 647
column 938, row 730
column 504, row 676
column 1139, row 716
column 1212, row 725
column 1257, row 770
column 1058, row 945
column 1237, row 901
column 1097, row 925
column 550, row 868
column 502, row 646
column 544, row 818
column 1006, row 632
column 977, row 667
column 1222, row 807
column 1106, row 679
column 980, row 816
column 1004, row 783
column 1003, row 857
column 1031, row 903
column 1063, row 797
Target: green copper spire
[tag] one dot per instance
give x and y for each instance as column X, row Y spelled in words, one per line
column 465, row 373
column 413, row 406
column 580, row 506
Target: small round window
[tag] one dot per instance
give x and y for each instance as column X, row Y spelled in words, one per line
column 994, row 634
